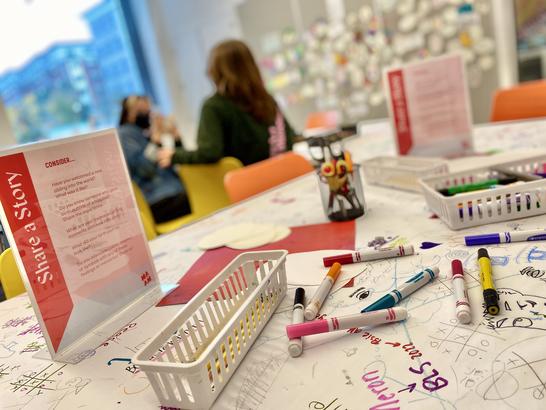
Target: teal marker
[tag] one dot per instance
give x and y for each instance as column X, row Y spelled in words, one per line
column 410, row 286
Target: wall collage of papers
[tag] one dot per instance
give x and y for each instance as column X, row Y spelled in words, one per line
column 338, row 64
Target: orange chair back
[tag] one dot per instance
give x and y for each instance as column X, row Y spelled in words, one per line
column 325, row 119
column 253, row 179
column 527, row 100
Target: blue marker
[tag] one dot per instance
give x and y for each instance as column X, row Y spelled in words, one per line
column 396, row 295
column 505, row 237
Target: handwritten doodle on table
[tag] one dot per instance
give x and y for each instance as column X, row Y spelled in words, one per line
column 35, row 383
column 429, row 245
column 20, row 321
column 319, row 405
column 115, row 337
column 524, row 311
column 34, row 329
column 33, row 347
column 377, row 386
column 7, row 349
column 462, row 342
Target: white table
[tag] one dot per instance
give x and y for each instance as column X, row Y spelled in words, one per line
column 505, row 365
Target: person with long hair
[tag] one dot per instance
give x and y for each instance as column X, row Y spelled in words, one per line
column 241, row 119
column 140, row 136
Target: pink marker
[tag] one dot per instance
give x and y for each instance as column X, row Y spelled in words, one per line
column 377, row 317
column 360, row 256
column 462, row 307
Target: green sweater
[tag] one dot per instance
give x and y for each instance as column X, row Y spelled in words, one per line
column 226, row 130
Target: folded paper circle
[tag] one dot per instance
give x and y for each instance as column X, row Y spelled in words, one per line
column 232, row 233
column 258, row 238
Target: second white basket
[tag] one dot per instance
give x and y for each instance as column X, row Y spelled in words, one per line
column 402, row 172
column 191, row 360
column 492, row 205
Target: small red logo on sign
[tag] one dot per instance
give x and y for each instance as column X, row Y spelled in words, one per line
column 146, row 278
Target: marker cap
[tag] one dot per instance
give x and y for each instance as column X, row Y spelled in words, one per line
column 343, row 259
column 463, row 316
column 311, row 311
column 295, row 347
column 334, row 271
column 487, row 239
column 457, row 267
column 482, row 253
column 299, row 296
column 491, row 299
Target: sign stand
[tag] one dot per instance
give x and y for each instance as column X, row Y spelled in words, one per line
column 429, row 107
column 71, row 218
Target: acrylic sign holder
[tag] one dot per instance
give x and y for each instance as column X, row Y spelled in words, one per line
column 195, row 355
column 482, row 207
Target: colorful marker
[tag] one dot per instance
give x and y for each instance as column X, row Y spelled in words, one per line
column 318, row 298
column 407, row 288
column 332, row 324
column 490, row 296
column 363, row 256
column 505, row 237
column 475, row 186
column 295, row 345
column 462, row 307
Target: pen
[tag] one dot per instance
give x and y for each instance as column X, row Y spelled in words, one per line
column 462, row 307
column 318, row 298
column 363, row 256
column 490, row 296
column 407, row 288
column 475, row 186
column 295, row 345
column 332, row 324
column 505, row 237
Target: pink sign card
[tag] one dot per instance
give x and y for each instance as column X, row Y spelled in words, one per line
column 70, row 214
column 429, row 107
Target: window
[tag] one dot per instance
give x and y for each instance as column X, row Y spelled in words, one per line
column 73, row 82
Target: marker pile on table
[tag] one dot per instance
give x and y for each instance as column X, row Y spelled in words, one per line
column 384, row 309
column 381, row 312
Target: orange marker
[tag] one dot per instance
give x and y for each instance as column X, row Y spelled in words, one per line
column 318, row 298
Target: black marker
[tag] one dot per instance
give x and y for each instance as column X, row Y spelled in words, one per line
column 295, row 346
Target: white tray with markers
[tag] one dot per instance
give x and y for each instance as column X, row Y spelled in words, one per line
column 494, row 203
column 191, row 360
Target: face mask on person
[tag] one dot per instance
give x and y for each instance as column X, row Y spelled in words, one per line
column 142, row 120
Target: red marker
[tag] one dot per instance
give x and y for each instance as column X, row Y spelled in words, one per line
column 360, row 256
column 462, row 307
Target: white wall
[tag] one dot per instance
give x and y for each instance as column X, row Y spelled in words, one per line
column 504, row 22
column 186, row 31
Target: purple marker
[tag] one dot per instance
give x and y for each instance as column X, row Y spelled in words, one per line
column 505, row 237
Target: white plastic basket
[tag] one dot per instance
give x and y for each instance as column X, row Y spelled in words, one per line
column 195, row 355
column 402, row 172
column 487, row 206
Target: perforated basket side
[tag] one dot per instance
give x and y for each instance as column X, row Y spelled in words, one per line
column 487, row 206
column 195, row 355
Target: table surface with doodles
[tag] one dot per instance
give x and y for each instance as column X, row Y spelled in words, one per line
column 429, row 360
